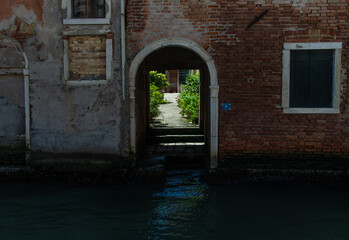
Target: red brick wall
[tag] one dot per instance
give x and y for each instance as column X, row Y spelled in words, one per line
column 249, row 66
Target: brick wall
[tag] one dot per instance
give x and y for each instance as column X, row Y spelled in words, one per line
column 248, row 56
column 87, row 57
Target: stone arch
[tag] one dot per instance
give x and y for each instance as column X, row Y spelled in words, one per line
column 214, row 88
column 15, row 43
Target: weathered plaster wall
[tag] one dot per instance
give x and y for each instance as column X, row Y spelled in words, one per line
column 64, row 118
column 11, row 93
column 11, row 109
column 7, row 7
column 247, row 52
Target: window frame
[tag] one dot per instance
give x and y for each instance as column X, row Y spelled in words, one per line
column 87, row 21
column 286, row 60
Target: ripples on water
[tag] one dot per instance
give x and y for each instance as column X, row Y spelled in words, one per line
column 183, row 208
column 179, row 209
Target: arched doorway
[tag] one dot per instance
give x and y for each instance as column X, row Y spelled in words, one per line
column 14, row 71
column 138, row 64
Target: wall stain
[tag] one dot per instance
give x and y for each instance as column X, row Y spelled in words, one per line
column 35, row 5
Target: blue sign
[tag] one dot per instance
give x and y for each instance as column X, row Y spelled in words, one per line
column 226, row 106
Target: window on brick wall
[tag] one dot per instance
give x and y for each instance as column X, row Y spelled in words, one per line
column 311, row 77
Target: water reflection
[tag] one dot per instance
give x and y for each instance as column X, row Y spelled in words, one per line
column 184, row 208
column 179, row 207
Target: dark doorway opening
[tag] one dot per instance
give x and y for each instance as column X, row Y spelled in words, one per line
column 168, row 140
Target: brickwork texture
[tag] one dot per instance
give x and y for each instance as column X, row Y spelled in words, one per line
column 87, row 57
column 245, row 39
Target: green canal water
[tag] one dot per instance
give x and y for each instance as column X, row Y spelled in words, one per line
column 185, row 207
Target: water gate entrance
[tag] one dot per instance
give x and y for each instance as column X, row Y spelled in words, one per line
column 199, row 141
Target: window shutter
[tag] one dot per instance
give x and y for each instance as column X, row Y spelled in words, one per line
column 321, row 75
column 299, row 78
column 311, row 79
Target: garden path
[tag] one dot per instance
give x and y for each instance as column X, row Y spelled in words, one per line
column 170, row 116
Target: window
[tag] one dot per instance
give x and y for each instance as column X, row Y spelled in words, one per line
column 88, row 42
column 311, row 77
column 90, row 12
column 182, row 75
column 88, row 8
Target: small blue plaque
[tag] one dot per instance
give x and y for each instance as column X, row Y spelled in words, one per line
column 226, row 106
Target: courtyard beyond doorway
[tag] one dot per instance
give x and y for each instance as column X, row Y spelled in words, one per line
column 170, row 116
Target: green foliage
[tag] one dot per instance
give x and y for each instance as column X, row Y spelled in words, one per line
column 189, row 99
column 155, row 98
column 163, row 101
column 158, row 79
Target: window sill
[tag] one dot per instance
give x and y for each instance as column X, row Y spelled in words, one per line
column 311, row 110
column 86, row 82
column 86, row 21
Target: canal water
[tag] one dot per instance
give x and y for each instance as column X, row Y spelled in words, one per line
column 185, row 207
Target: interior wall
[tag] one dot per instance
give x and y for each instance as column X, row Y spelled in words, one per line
column 142, row 107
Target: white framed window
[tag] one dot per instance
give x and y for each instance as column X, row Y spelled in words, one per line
column 311, row 77
column 88, row 12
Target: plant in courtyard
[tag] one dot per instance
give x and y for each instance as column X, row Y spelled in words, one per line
column 189, row 100
column 155, row 98
column 158, row 81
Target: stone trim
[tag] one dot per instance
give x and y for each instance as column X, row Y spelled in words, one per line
column 214, row 89
column 286, row 53
column 86, row 21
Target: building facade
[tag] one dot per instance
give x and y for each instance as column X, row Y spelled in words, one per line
column 273, row 72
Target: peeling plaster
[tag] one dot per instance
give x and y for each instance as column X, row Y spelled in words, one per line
column 27, row 16
column 33, row 5
column 64, row 4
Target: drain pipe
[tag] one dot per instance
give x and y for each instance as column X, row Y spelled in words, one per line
column 123, row 47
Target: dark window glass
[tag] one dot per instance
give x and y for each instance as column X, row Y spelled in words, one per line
column 311, row 79
column 80, row 8
column 182, row 75
column 88, row 8
column 97, row 9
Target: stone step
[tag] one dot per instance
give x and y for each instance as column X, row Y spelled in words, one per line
column 176, row 138
column 174, row 131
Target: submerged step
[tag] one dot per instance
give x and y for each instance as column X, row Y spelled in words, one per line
column 176, row 138
column 174, row 131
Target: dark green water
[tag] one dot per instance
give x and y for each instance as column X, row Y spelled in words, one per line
column 183, row 208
